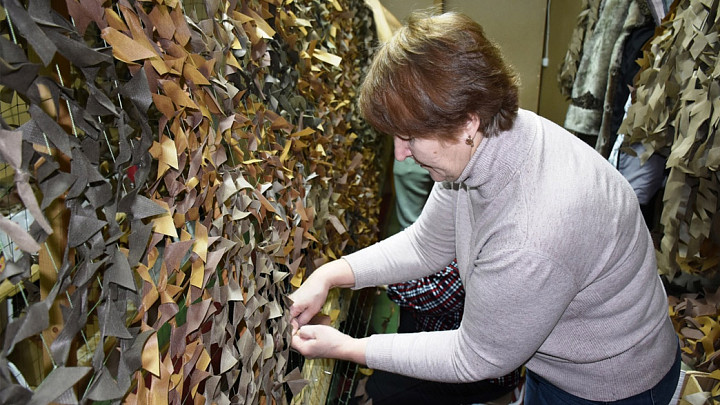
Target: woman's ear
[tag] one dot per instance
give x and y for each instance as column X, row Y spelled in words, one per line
column 473, row 124
column 471, row 132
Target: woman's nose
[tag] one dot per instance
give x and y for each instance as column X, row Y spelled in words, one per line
column 402, row 149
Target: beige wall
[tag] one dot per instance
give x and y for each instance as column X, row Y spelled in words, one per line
column 518, row 27
column 563, row 18
column 401, row 8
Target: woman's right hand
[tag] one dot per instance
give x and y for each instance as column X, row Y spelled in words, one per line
column 308, row 300
column 311, row 296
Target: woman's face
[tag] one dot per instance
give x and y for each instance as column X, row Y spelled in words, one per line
column 444, row 160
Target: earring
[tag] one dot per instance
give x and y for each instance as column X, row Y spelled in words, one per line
column 469, row 141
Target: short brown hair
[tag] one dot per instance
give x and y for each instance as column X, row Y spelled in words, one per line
column 433, row 74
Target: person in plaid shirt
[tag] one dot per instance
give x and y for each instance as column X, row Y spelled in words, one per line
column 433, row 303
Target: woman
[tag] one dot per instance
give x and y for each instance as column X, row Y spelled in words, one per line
column 558, row 266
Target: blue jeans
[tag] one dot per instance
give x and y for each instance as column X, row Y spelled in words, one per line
column 539, row 391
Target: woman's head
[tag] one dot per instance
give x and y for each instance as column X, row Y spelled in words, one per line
column 433, row 75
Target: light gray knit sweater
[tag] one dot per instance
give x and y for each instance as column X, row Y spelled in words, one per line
column 557, row 263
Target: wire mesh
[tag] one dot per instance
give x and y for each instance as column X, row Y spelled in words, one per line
column 346, row 374
column 32, row 360
column 14, row 113
column 318, row 372
column 27, row 360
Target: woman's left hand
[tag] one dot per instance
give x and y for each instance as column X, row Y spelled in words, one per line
column 314, row 341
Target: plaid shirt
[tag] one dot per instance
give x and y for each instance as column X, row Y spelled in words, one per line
column 436, row 303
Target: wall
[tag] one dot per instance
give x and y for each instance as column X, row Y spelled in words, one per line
column 563, row 16
column 518, row 26
column 401, row 8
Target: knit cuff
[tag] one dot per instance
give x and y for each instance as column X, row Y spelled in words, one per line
column 378, row 351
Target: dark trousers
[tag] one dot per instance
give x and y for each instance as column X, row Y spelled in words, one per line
column 539, row 391
column 393, row 389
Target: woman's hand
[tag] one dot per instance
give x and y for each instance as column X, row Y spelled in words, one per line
column 308, row 300
column 311, row 296
column 313, row 341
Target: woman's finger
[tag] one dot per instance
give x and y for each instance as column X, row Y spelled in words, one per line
column 306, row 332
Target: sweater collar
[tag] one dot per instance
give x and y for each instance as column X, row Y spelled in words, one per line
column 498, row 158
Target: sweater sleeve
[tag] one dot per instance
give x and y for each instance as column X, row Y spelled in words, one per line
column 423, row 248
column 513, row 301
